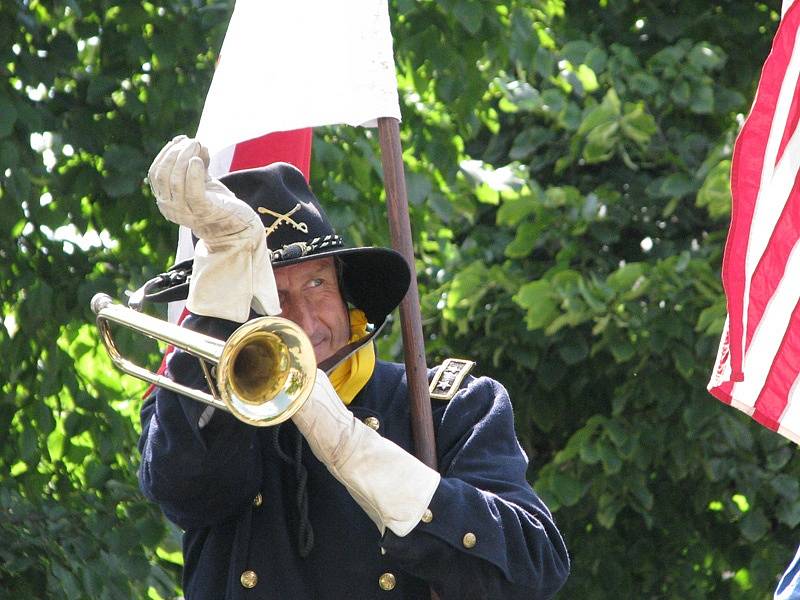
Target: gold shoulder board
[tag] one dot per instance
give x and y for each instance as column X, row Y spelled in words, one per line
column 448, row 378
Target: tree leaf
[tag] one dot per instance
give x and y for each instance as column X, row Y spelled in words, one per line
column 568, row 489
column 536, row 297
column 8, row 116
column 754, row 525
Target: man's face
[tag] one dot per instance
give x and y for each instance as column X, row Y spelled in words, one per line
column 310, row 296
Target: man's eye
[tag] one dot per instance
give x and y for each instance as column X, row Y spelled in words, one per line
column 315, row 282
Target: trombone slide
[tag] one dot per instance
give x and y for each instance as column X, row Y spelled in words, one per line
column 264, row 372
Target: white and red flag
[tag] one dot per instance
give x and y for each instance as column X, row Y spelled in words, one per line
column 286, row 67
column 758, row 363
column 292, row 65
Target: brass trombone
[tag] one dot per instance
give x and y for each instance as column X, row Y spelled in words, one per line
column 261, row 375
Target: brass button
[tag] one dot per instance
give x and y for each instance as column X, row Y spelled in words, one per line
column 249, row 579
column 387, row 582
column 427, row 516
column 258, row 500
column 469, row 540
column 372, row 422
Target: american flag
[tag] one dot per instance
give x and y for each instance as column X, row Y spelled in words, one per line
column 758, row 364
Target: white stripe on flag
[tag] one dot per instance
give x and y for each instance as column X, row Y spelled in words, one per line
column 722, row 366
column 221, row 161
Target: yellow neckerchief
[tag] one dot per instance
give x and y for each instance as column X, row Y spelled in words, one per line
column 353, row 373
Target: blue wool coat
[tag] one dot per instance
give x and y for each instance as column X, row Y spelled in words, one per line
column 237, row 501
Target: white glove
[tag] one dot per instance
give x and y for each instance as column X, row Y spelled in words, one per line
column 391, row 485
column 231, row 270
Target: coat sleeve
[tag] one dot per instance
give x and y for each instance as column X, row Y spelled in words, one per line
column 490, row 535
column 199, row 477
column 789, row 585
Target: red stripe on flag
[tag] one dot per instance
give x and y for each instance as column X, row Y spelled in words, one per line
column 745, row 177
column 746, row 169
column 293, row 147
column 774, row 396
column 723, row 392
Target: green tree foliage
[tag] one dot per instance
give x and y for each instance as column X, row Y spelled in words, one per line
column 567, row 172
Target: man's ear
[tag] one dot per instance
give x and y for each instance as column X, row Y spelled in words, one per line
column 340, row 267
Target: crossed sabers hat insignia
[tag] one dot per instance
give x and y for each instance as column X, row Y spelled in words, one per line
column 282, row 218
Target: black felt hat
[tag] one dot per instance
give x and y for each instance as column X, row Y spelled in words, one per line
column 297, row 228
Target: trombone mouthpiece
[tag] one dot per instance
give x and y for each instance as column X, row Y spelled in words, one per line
column 100, row 301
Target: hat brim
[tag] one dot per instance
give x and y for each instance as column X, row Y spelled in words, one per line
column 375, row 279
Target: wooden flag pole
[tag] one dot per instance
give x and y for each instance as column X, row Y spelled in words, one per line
column 410, row 314
column 394, row 182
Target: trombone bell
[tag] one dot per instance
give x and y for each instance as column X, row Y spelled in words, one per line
column 259, row 368
column 264, row 371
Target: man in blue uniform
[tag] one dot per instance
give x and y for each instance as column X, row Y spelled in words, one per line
column 331, row 504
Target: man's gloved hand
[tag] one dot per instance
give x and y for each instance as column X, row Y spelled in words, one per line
column 391, row 485
column 232, row 270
